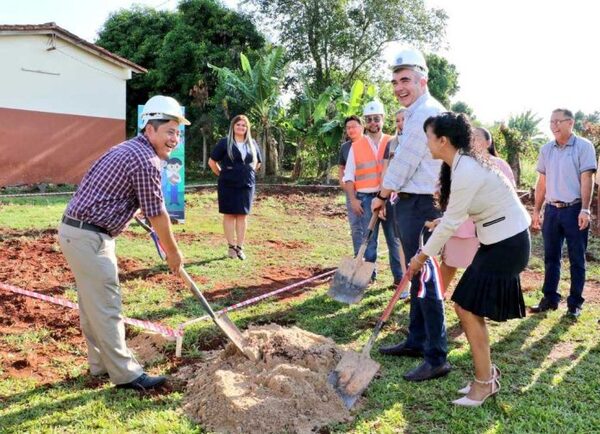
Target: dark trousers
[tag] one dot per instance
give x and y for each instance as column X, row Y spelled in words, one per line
column 560, row 224
column 427, row 328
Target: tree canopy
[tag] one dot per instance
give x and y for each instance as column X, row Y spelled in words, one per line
column 325, row 37
column 176, row 48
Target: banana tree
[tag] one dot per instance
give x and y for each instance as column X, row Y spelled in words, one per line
column 259, row 86
column 306, row 124
column 346, row 104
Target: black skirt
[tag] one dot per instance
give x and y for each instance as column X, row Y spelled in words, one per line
column 491, row 287
column 235, row 200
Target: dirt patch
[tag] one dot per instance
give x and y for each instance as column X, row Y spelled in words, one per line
column 563, row 350
column 271, row 278
column 286, row 390
column 32, row 260
column 307, row 201
column 38, row 340
column 533, row 280
column 148, row 347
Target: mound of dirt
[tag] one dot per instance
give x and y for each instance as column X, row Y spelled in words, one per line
column 285, row 390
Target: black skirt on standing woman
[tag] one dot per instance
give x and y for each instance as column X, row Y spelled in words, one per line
column 236, row 184
column 491, row 287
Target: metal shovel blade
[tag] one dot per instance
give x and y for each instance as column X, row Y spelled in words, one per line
column 234, row 334
column 352, row 376
column 350, row 280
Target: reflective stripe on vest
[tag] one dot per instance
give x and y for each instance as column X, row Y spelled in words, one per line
column 368, row 165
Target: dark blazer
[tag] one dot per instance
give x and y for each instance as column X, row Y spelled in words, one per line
column 235, row 172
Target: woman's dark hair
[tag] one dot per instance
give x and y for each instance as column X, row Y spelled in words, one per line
column 457, row 128
column 488, row 137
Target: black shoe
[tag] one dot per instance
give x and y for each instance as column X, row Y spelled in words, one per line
column 144, row 382
column 426, row 372
column 573, row 312
column 543, row 306
column 401, row 350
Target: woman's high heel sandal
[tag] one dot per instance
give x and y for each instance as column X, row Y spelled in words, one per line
column 465, row 401
column 495, row 374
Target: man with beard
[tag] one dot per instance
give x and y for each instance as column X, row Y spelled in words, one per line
column 362, row 180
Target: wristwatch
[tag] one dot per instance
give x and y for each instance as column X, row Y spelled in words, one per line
column 586, row 210
column 379, row 196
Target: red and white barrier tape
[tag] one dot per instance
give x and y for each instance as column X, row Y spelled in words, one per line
column 147, row 325
column 258, row 298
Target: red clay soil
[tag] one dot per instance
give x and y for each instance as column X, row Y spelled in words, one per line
column 32, row 260
column 308, row 201
column 38, row 360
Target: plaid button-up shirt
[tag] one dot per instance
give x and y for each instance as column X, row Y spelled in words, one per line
column 124, row 179
column 413, row 170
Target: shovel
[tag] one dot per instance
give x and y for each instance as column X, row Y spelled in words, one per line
column 354, row 274
column 222, row 321
column 355, row 371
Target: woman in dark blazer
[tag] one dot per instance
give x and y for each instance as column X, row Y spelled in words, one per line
column 235, row 160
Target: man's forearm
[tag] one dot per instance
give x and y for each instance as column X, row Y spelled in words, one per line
column 349, row 189
column 587, row 189
column 162, row 225
column 540, row 194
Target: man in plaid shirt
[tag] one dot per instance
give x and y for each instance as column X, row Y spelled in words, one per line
column 123, row 180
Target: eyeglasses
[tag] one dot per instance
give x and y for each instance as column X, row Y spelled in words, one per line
column 370, row 119
column 558, row 121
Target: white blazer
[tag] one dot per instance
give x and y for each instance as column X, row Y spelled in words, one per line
column 486, row 196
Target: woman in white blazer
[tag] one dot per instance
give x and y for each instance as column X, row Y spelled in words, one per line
column 490, row 287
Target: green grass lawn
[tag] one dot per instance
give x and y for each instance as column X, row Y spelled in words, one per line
column 550, row 365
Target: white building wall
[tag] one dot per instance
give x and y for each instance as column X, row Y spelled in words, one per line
column 65, row 80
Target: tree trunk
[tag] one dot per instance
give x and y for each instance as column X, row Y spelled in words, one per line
column 272, row 166
column 204, row 152
column 261, row 145
column 328, row 173
column 297, row 171
column 515, row 164
column 281, row 147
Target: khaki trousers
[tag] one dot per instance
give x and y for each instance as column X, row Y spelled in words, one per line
column 91, row 256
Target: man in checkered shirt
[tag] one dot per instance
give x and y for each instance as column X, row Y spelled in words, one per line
column 123, row 180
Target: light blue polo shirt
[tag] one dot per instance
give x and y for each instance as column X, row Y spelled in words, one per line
column 563, row 167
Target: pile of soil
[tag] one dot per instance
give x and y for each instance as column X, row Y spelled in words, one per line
column 284, row 390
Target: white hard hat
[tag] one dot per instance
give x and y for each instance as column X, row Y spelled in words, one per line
column 410, row 58
column 163, row 107
column 374, row 107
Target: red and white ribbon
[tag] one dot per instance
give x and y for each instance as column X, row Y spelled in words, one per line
column 257, row 298
column 147, row 325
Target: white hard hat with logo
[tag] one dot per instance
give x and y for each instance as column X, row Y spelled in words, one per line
column 374, row 107
column 163, row 107
column 410, row 58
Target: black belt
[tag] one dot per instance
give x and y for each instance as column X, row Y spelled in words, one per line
column 559, row 204
column 366, row 194
column 402, row 195
column 83, row 225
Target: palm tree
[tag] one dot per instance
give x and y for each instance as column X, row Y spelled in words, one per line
column 259, row 86
column 527, row 124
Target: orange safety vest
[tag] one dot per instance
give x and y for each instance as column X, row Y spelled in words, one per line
column 368, row 165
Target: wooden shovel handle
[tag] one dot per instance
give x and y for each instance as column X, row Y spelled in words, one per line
column 390, row 306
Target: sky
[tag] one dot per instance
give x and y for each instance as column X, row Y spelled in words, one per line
column 512, row 55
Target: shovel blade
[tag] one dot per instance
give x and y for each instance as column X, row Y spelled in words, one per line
column 350, row 280
column 233, row 333
column 352, row 376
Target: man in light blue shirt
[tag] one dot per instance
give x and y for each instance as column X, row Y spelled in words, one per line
column 413, row 173
column 566, row 168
